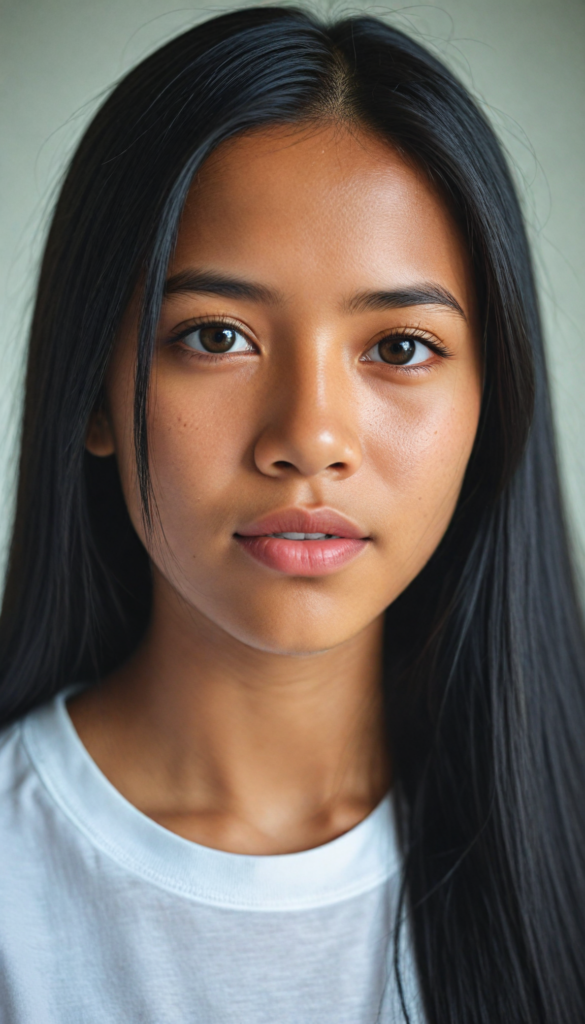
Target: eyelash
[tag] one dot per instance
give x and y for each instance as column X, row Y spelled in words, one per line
column 207, row 321
column 415, row 333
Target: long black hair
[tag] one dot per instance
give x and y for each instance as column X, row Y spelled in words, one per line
column 484, row 652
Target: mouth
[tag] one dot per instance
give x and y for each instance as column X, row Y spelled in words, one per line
column 296, row 542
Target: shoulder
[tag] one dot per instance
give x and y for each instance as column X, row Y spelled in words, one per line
column 15, row 764
column 21, row 801
column 23, row 792
column 42, row 771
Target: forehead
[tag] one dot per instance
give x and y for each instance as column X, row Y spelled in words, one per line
column 320, row 208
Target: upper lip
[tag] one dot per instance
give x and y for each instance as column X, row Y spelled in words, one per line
column 299, row 520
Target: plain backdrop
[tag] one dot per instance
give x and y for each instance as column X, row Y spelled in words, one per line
column 524, row 60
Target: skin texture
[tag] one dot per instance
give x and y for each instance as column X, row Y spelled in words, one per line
column 250, row 718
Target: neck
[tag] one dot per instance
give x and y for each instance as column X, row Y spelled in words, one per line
column 241, row 749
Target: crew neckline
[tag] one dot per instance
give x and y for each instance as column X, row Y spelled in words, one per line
column 352, row 864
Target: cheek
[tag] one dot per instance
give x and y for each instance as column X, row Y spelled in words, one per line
column 196, row 448
column 199, row 438
column 419, row 443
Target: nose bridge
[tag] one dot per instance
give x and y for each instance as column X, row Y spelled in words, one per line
column 310, row 386
column 310, row 427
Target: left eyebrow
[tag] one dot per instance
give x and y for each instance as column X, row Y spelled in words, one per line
column 423, row 295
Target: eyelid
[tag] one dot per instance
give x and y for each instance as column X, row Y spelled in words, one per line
column 187, row 327
column 418, row 334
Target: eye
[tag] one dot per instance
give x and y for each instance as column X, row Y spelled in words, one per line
column 400, row 350
column 216, row 339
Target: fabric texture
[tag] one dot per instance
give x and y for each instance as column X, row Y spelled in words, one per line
column 107, row 917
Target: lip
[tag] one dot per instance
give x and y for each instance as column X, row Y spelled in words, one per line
column 303, row 557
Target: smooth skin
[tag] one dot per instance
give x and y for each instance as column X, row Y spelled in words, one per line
column 249, row 719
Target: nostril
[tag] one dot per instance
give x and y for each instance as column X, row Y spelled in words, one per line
column 281, row 464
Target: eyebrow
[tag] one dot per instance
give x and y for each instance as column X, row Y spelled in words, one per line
column 211, row 283
column 423, row 295
column 217, row 284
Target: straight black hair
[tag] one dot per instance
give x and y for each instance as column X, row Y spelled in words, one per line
column 484, row 651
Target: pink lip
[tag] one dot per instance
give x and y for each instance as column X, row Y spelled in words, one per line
column 303, row 557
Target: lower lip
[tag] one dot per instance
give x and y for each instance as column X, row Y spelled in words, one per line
column 302, row 557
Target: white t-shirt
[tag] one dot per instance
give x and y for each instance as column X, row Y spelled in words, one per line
column 108, row 918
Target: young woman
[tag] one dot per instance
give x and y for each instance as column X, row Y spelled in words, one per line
column 290, row 656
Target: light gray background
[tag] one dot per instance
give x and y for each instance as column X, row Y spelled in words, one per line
column 523, row 59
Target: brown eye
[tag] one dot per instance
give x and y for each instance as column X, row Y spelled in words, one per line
column 400, row 351
column 217, row 339
column 397, row 350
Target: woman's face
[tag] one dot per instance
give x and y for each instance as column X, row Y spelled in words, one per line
column 317, row 372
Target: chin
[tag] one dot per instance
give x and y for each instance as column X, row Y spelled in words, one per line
column 299, row 634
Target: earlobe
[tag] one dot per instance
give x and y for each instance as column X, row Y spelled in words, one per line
column 99, row 439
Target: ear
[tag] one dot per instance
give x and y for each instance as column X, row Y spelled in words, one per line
column 99, row 439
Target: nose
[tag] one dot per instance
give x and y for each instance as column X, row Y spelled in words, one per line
column 311, row 428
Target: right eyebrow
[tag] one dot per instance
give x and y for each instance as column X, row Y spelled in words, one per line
column 210, row 283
